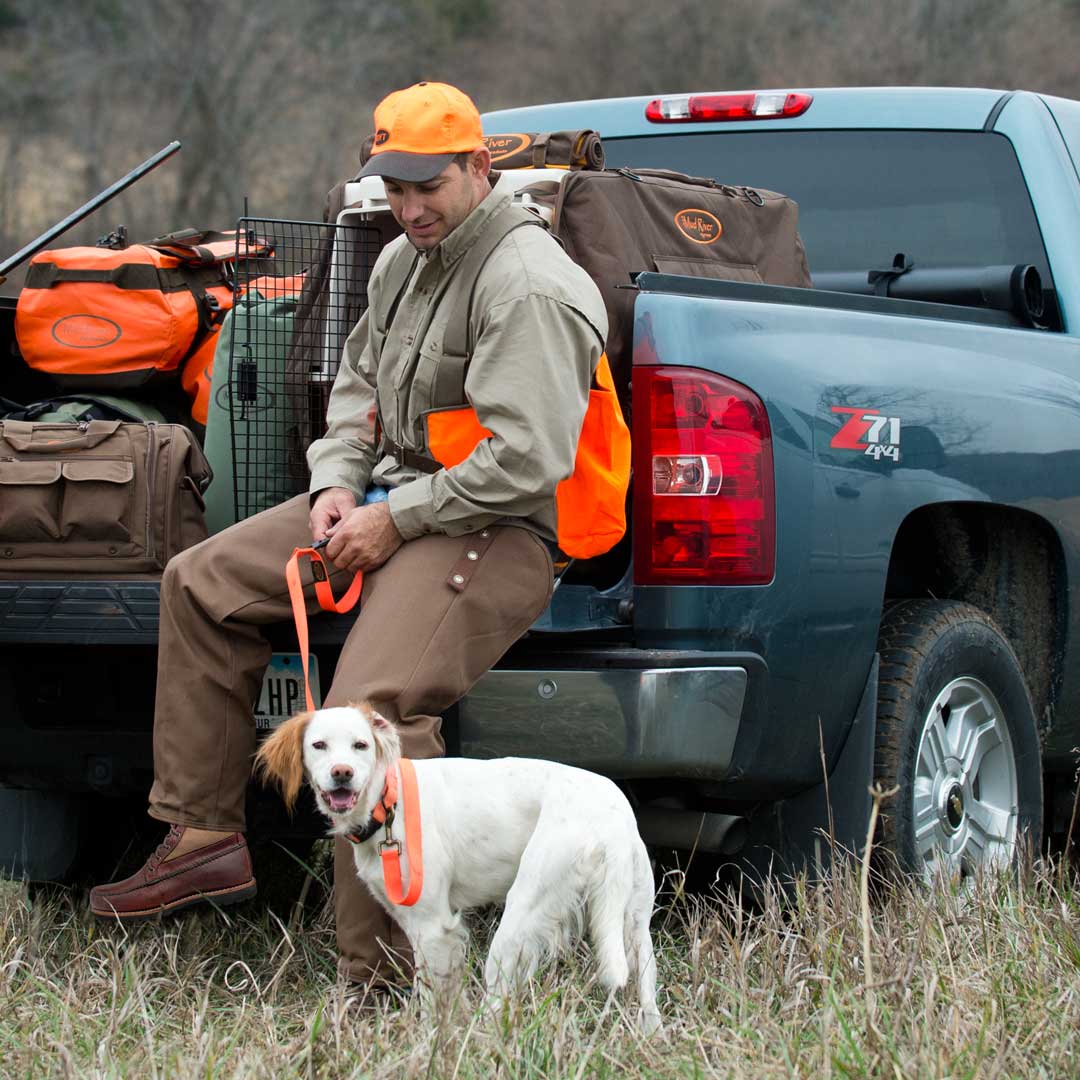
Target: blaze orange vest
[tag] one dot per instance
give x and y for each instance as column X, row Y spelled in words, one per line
column 591, row 502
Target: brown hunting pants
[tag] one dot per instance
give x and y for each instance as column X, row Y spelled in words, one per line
column 433, row 619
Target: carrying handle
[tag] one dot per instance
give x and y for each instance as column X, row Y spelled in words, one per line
column 21, row 435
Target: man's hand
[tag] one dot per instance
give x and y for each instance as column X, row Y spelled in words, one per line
column 364, row 539
column 329, row 507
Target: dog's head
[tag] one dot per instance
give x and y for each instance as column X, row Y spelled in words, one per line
column 337, row 749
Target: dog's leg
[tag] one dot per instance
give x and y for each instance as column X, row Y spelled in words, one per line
column 513, row 957
column 541, row 914
column 439, row 948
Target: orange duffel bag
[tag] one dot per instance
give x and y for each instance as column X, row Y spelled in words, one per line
column 107, row 319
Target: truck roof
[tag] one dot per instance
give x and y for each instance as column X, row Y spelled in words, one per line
column 947, row 108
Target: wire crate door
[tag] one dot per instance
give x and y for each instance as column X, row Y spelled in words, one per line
column 288, row 328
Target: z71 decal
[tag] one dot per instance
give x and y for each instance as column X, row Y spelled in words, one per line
column 867, row 431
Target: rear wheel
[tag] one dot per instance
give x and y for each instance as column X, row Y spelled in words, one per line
column 956, row 735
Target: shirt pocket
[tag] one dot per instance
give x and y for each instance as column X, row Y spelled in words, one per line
column 423, row 383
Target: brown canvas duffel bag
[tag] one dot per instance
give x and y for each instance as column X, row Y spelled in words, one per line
column 98, row 497
column 616, row 223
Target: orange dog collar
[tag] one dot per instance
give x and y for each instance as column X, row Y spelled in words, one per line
column 390, row 849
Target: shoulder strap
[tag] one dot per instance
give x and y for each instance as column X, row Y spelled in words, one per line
column 449, row 386
column 396, row 278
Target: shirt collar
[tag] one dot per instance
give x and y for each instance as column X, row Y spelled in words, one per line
column 464, row 236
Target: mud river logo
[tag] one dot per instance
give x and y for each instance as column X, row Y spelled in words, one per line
column 504, row 146
column 699, row 225
column 86, row 331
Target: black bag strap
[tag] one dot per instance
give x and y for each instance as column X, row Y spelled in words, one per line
column 138, row 276
column 882, row 280
column 540, row 149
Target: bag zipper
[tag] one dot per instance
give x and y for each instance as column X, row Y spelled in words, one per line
column 151, row 427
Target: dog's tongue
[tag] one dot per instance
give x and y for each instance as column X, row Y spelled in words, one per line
column 341, row 800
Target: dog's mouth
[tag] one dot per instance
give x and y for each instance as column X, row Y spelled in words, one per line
column 340, row 800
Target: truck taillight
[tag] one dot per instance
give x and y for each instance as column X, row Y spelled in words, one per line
column 701, row 108
column 708, row 516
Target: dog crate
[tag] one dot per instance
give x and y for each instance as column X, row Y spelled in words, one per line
column 287, row 332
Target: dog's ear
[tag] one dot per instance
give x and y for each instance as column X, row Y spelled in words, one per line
column 384, row 735
column 280, row 759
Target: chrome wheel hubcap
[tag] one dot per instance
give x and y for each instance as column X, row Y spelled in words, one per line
column 966, row 793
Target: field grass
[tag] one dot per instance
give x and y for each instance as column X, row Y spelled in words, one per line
column 983, row 983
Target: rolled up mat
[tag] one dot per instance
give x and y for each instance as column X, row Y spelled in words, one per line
column 588, row 151
column 546, row 150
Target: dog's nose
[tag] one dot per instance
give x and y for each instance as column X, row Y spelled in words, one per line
column 341, row 773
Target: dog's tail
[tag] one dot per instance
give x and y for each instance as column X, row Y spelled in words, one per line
column 639, row 942
column 610, row 889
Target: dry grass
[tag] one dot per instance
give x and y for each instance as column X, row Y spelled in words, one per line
column 982, row 984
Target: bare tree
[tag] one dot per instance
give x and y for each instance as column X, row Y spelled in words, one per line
column 272, row 100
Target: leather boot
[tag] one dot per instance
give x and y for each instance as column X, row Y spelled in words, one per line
column 219, row 873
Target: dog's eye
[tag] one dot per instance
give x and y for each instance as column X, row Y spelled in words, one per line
column 320, row 745
column 359, row 745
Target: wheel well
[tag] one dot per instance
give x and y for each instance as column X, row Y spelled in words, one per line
column 1005, row 561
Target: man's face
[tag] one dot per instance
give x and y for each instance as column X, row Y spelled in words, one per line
column 431, row 211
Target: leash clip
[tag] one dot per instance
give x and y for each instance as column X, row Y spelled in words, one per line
column 389, row 841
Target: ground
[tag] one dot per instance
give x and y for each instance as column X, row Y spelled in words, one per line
column 980, row 983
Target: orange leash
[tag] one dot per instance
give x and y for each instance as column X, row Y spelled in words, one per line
column 389, row 849
column 323, row 593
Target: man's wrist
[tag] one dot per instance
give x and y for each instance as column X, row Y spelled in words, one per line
column 321, row 482
column 410, row 507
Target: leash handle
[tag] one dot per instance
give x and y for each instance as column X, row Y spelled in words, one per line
column 324, row 593
column 390, row 851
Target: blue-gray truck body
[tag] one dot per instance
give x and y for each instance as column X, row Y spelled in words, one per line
column 740, row 700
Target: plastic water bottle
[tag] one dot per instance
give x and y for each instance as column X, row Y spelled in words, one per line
column 375, row 494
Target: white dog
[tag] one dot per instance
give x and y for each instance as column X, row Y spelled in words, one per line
column 553, row 843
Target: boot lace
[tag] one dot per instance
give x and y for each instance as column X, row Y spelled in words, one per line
column 163, row 849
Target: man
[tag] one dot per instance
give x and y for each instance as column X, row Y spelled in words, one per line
column 457, row 562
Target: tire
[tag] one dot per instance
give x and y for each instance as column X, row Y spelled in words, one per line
column 956, row 734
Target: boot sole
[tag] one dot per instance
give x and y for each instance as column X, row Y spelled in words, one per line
column 234, row 894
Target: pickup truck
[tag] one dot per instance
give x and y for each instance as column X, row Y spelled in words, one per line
column 889, row 598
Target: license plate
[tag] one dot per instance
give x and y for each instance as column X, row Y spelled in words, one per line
column 282, row 692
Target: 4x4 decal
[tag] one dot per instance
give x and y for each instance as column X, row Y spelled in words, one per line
column 868, row 432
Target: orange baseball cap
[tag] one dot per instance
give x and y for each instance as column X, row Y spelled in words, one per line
column 419, row 130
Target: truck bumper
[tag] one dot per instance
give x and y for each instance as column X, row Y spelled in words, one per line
column 628, row 722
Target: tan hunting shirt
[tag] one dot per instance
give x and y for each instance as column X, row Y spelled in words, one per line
column 538, row 328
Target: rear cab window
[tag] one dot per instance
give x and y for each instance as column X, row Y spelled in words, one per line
column 943, row 198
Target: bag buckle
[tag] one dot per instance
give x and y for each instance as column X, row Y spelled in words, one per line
column 117, row 239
